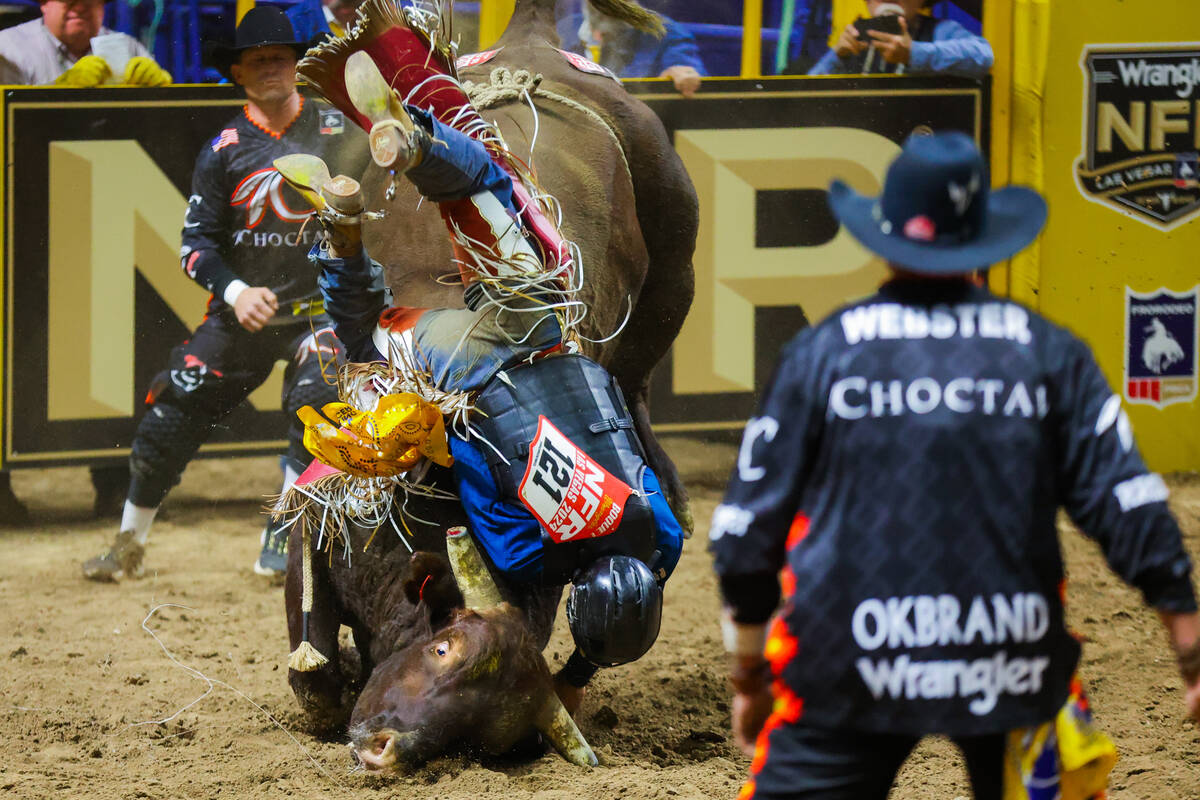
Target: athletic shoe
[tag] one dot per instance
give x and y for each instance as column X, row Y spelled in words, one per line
column 124, row 560
column 272, row 561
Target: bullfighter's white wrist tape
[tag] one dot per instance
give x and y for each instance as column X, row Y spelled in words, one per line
column 742, row 640
column 235, row 287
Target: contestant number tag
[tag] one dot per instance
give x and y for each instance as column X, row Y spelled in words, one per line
column 569, row 493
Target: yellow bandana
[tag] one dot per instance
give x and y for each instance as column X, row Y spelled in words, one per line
column 392, row 439
column 1068, row 758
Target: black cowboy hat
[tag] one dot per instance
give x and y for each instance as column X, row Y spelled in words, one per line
column 261, row 26
column 936, row 215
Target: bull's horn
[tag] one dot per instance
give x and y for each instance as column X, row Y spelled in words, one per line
column 556, row 724
column 470, row 573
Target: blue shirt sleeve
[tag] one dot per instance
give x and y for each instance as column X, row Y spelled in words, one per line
column 568, row 32
column 308, row 20
column 507, row 532
column 954, row 50
column 355, row 295
column 668, row 534
column 678, row 48
column 829, row 64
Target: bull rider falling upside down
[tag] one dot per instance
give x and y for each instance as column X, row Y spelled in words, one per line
column 524, row 408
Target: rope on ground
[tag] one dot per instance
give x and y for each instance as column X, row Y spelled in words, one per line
column 212, row 684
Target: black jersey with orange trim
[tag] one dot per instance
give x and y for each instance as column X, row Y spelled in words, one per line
column 902, row 478
column 244, row 222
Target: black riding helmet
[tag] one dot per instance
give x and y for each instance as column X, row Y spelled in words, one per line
column 614, row 610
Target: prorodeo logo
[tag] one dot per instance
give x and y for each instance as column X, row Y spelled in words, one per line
column 1142, row 131
column 1160, row 346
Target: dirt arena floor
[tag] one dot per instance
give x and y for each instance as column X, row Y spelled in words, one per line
column 175, row 686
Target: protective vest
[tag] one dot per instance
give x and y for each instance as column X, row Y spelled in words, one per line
column 585, row 404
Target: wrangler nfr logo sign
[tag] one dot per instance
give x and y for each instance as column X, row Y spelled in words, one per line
column 1142, row 132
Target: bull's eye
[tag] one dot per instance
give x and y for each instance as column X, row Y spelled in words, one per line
column 441, row 649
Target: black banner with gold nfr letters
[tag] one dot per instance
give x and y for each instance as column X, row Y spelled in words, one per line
column 98, row 182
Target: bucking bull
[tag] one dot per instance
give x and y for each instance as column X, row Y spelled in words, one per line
column 449, row 665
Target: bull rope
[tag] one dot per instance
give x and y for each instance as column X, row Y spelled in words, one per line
column 506, row 86
column 306, row 657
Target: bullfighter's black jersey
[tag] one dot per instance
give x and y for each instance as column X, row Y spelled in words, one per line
column 244, row 222
column 905, row 470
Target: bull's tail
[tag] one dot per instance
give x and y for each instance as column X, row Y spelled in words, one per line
column 628, row 11
column 632, row 13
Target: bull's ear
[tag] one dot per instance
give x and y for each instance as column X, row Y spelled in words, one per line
column 431, row 583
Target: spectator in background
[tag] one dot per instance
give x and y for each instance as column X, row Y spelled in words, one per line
column 924, row 45
column 803, row 37
column 630, row 53
column 58, row 49
column 315, row 18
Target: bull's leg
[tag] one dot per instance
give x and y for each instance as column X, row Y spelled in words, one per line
column 321, row 692
column 669, row 217
column 366, row 665
column 657, row 317
column 661, row 463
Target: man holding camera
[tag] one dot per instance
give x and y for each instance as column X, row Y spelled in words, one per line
column 901, row 38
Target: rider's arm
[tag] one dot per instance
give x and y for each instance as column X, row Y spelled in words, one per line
column 355, row 294
column 207, row 228
column 668, row 535
column 456, row 166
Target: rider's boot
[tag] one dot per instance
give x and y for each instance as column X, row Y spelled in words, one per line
column 397, row 143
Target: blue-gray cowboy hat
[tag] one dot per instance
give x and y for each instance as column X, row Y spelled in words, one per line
column 936, row 215
column 261, row 26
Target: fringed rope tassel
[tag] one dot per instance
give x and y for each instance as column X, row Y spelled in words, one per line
column 306, row 658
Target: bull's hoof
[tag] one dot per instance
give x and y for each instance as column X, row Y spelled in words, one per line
column 683, row 515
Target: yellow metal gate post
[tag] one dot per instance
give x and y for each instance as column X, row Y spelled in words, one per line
column 493, row 18
column 752, row 39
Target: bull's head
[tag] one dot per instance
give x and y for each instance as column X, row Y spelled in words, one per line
column 478, row 682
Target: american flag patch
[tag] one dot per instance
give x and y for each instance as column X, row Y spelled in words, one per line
column 227, row 137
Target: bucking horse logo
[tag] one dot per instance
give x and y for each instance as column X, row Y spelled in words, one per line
column 1160, row 346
